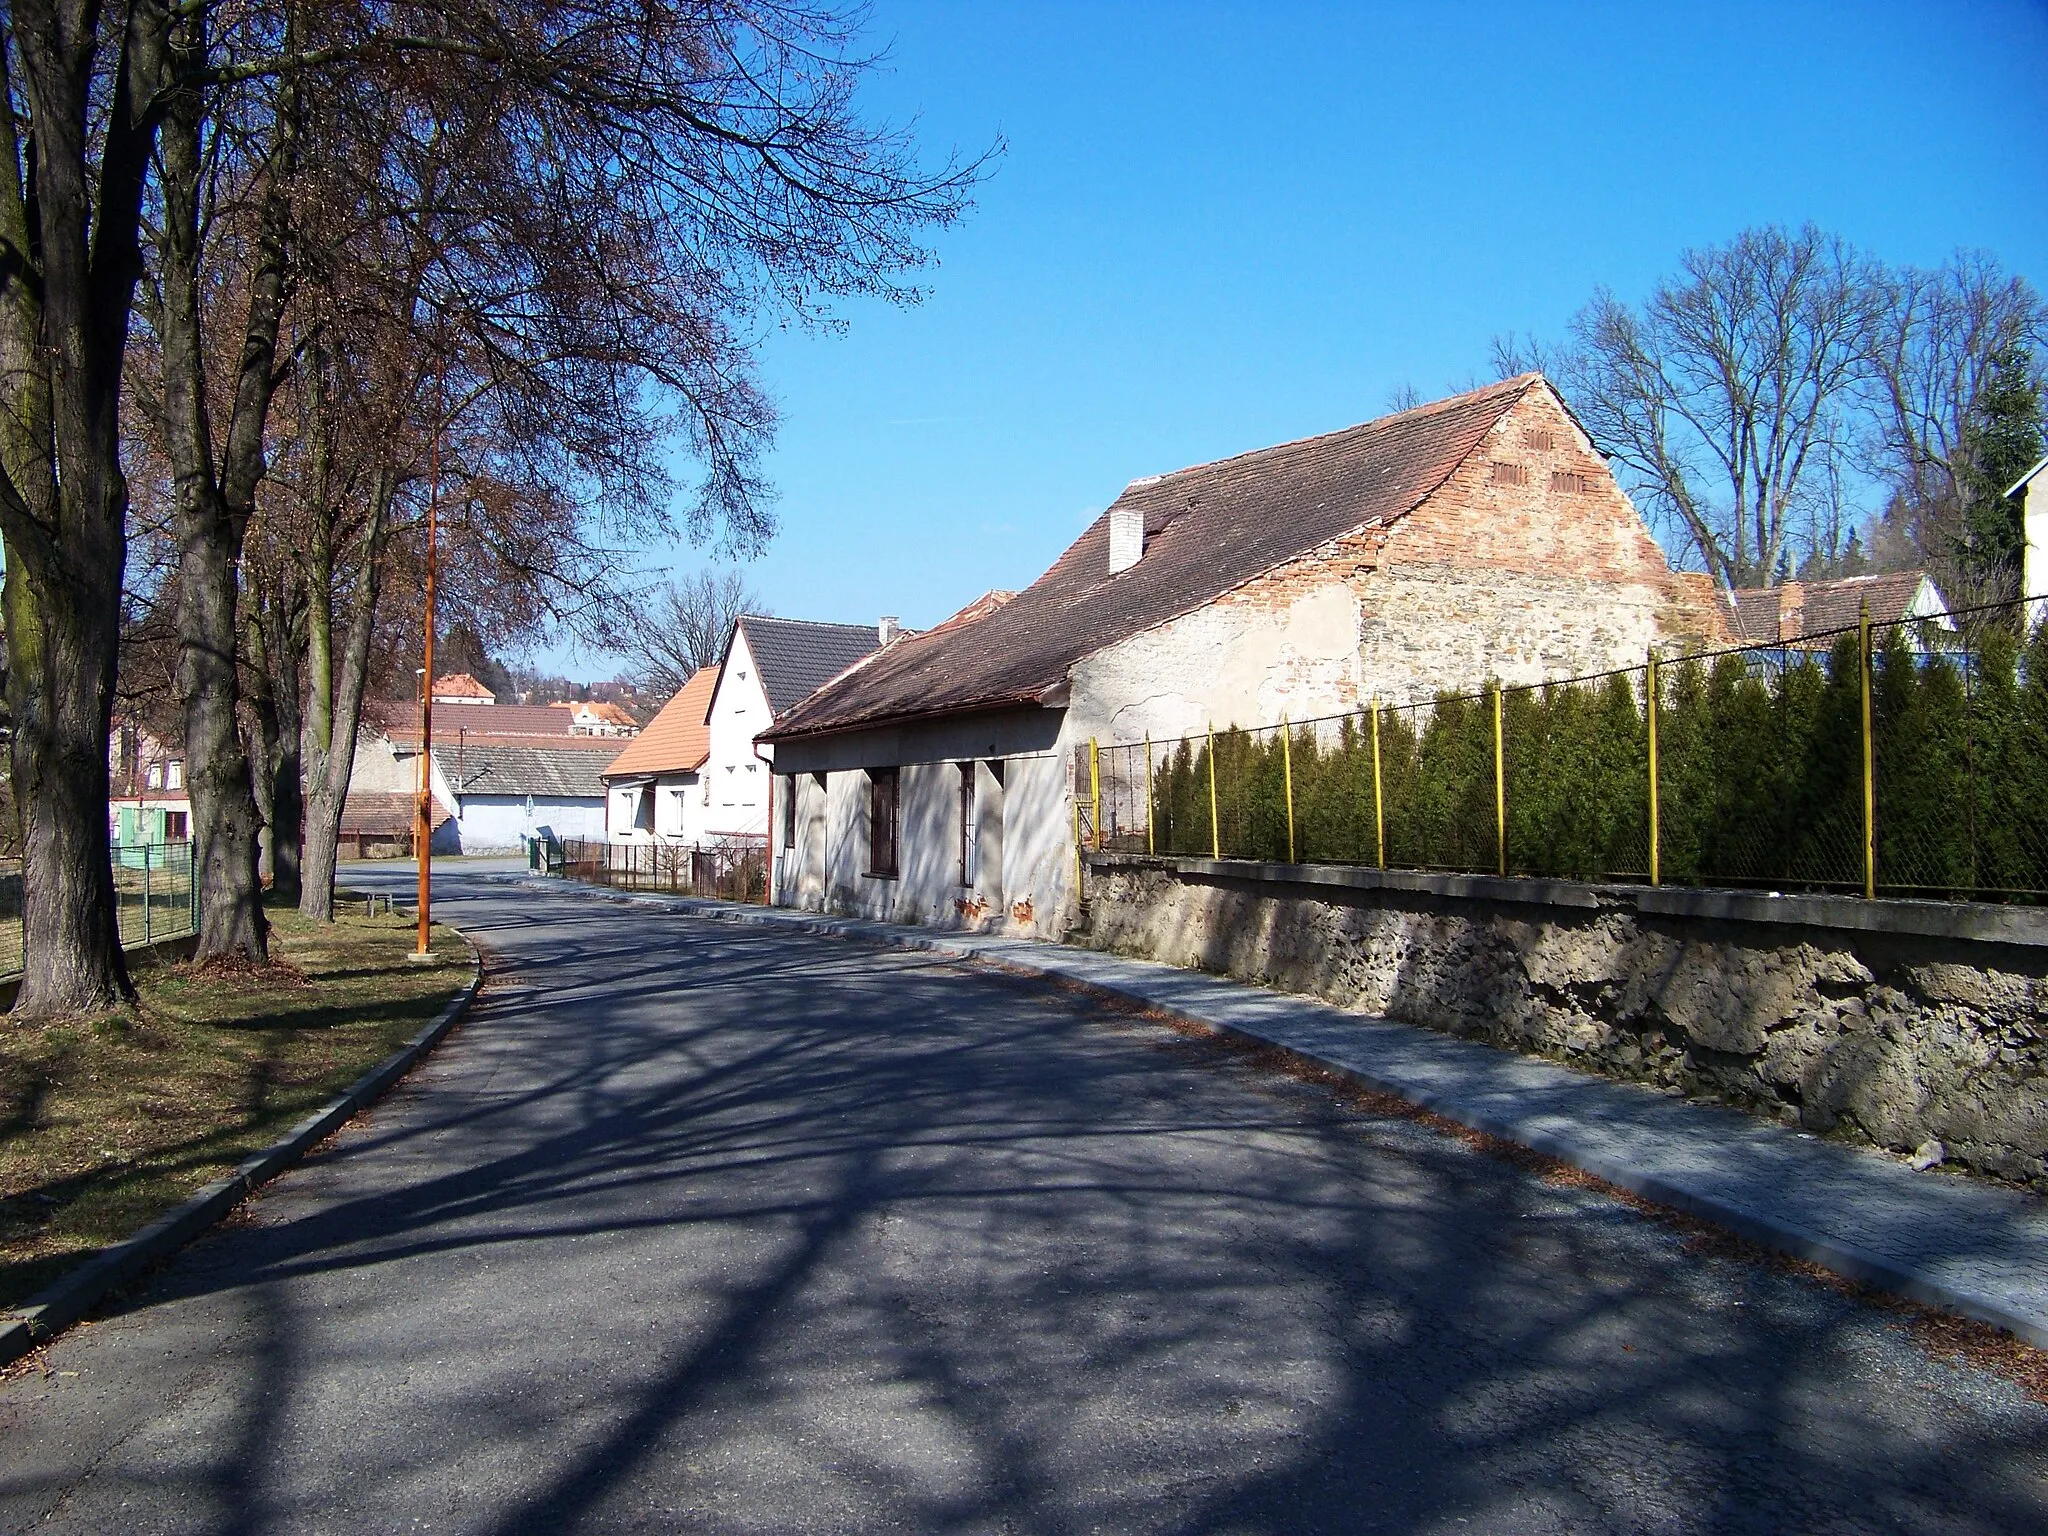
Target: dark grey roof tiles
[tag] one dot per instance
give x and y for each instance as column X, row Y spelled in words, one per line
column 797, row 657
column 480, row 768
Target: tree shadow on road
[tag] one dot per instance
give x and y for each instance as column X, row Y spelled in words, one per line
column 713, row 1229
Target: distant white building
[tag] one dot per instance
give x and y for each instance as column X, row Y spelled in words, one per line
column 2034, row 520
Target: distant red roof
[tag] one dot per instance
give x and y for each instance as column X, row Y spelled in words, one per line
column 1795, row 609
column 461, row 685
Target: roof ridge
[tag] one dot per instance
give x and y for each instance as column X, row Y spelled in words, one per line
column 776, row 618
column 1519, row 384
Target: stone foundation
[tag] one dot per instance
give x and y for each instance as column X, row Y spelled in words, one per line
column 1881, row 1021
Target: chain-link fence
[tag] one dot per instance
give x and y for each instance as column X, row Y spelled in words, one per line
column 154, row 898
column 731, row 868
column 1909, row 759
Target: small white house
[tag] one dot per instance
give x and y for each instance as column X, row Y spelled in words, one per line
column 770, row 666
column 654, row 789
column 503, row 793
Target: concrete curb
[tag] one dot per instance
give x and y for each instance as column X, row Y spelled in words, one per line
column 1761, row 1227
column 69, row 1298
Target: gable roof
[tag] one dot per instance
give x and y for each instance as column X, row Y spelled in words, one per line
column 1207, row 529
column 676, row 740
column 505, row 768
column 460, row 685
column 1796, row 609
column 796, row 656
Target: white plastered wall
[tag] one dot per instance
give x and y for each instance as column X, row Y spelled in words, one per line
column 733, row 792
column 1020, row 846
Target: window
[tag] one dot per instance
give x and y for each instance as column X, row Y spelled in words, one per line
column 155, row 777
column 174, row 827
column 967, row 823
column 174, row 774
column 1508, row 474
column 1572, row 481
column 643, row 811
column 789, row 812
column 882, row 819
column 1538, row 438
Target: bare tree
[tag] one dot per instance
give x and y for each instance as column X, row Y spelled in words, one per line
column 79, row 81
column 1721, row 401
column 1940, row 339
column 682, row 625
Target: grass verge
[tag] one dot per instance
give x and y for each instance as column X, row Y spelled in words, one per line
column 108, row 1122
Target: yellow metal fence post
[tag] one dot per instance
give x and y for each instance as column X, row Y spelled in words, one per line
column 1869, row 761
column 1379, row 806
column 1215, row 837
column 1287, row 775
column 1650, row 716
column 1500, row 787
column 1151, row 843
column 1095, row 792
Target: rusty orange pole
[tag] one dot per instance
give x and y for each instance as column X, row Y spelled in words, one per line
column 423, row 821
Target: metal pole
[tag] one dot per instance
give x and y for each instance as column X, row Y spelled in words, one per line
column 1095, row 791
column 1215, row 837
column 1151, row 842
column 1287, row 777
column 423, row 820
column 1379, row 804
column 1500, row 787
column 147, row 936
column 1650, row 715
column 1079, row 867
column 1869, row 760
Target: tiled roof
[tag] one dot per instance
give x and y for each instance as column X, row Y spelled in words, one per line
column 378, row 811
column 796, row 656
column 1207, row 529
column 675, row 741
column 1762, row 615
column 401, row 722
column 461, row 685
column 407, row 739
column 500, row 768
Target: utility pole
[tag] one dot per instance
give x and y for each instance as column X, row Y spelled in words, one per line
column 423, row 818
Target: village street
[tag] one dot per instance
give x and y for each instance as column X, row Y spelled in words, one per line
column 695, row 1226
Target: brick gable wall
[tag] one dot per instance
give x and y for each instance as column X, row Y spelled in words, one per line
column 1512, row 574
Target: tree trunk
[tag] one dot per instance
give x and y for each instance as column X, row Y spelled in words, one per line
column 66, row 287
column 334, row 699
column 287, row 798
column 213, row 506
column 61, row 676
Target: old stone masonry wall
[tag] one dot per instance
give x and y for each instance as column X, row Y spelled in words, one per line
column 1896, row 1039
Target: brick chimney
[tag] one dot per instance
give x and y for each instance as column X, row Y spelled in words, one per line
column 1126, row 538
column 1791, row 610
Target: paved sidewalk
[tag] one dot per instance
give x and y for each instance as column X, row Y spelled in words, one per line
column 1972, row 1247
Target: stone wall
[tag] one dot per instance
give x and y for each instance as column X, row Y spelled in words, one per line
column 1874, row 1032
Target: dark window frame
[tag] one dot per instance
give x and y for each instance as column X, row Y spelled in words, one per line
column 885, row 808
column 788, row 810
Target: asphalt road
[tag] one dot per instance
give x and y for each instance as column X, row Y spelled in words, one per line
column 696, row 1227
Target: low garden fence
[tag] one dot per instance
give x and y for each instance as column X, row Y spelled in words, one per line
column 730, row 868
column 1907, row 759
column 154, row 898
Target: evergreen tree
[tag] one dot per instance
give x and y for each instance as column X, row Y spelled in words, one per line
column 2001, row 442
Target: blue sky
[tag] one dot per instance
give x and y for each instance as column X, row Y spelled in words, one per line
column 1218, row 227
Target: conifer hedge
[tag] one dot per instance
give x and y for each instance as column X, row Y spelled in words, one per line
column 1759, row 783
